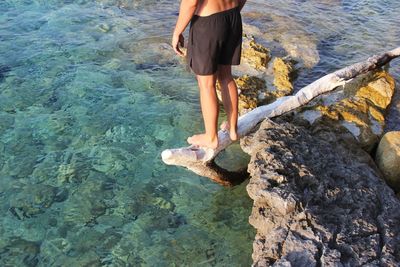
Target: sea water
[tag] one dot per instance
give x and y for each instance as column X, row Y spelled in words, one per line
column 91, row 93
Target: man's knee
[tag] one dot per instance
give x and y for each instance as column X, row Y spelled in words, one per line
column 206, row 82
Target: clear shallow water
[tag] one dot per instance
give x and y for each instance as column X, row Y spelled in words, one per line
column 88, row 101
column 91, row 93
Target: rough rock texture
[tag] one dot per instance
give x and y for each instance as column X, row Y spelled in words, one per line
column 255, row 54
column 249, row 89
column 388, row 158
column 360, row 106
column 283, row 75
column 319, row 200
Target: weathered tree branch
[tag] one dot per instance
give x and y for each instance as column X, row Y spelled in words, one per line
column 200, row 160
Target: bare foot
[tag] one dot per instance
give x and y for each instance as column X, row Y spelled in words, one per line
column 232, row 133
column 203, row 140
column 224, row 126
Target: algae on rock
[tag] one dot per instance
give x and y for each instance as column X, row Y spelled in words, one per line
column 359, row 106
column 255, row 54
column 283, row 75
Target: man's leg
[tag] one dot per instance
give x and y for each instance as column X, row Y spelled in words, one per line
column 209, row 109
column 229, row 99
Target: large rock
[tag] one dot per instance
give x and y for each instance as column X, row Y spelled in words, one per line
column 360, row 107
column 388, row 158
column 319, row 199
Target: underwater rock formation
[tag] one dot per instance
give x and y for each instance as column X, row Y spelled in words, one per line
column 319, row 199
column 284, row 34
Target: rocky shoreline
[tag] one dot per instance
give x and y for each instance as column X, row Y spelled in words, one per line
column 319, row 199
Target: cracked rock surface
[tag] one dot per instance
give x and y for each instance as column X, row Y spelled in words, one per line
column 319, row 199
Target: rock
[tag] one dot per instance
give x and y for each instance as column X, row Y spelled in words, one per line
column 360, row 107
column 33, row 200
column 388, row 158
column 379, row 91
column 89, row 258
column 89, row 201
column 318, row 197
column 153, row 53
column 302, row 47
column 6, row 121
column 20, row 253
column 55, row 246
column 255, row 54
column 283, row 75
column 283, row 35
column 104, row 27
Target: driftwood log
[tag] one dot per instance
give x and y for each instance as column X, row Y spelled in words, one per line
column 201, row 160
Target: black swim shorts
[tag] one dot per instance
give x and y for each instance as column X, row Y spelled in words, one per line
column 214, row 40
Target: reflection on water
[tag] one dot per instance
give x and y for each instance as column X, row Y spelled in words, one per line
column 91, row 93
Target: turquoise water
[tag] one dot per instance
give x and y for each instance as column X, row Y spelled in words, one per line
column 90, row 96
column 91, row 93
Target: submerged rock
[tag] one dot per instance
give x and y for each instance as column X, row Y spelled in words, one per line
column 319, row 199
column 301, row 47
column 388, row 158
column 33, row 200
column 151, row 53
column 89, row 201
column 20, row 253
column 284, row 33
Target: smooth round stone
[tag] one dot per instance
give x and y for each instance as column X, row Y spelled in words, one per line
column 388, row 158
